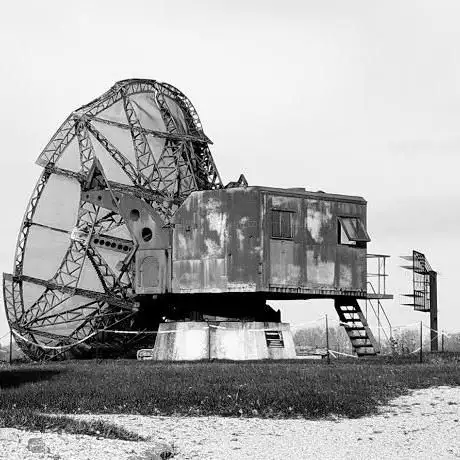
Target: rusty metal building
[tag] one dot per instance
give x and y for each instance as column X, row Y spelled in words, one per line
column 280, row 243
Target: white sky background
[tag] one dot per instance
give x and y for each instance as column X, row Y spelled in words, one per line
column 358, row 97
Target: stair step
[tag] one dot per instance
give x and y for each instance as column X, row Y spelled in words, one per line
column 357, row 329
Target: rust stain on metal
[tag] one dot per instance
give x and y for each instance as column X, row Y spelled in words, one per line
column 223, row 242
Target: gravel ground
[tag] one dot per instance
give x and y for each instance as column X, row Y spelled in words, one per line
column 422, row 425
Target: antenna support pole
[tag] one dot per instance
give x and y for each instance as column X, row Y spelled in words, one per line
column 433, row 311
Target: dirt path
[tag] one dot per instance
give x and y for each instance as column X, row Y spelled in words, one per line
column 424, row 425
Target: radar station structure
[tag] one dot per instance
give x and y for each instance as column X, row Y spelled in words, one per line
column 130, row 238
column 424, row 296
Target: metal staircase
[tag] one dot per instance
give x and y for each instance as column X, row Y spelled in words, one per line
column 356, row 327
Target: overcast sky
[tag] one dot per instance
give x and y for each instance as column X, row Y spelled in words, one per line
column 353, row 97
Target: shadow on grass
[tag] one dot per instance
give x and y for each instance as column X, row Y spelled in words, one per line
column 14, row 378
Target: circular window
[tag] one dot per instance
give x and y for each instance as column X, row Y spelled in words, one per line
column 146, row 234
column 134, row 215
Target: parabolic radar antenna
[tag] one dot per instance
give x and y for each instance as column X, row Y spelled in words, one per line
column 130, row 237
column 113, row 176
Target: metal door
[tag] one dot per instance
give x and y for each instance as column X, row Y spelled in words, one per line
column 152, row 271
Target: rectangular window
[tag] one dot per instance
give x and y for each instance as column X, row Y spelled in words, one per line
column 282, row 224
column 274, row 339
column 352, row 231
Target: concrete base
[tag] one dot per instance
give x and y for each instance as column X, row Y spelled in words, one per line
column 235, row 340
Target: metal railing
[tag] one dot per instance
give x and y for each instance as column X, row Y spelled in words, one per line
column 378, row 314
column 379, row 267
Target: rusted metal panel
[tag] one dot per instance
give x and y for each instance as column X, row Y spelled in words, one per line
column 286, row 254
column 186, row 275
column 320, row 267
column 244, row 252
column 313, row 259
column 282, row 268
column 351, row 260
column 320, row 243
column 196, row 276
column 216, row 242
column 304, row 194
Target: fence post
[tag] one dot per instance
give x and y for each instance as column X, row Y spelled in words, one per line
column 442, row 341
column 338, row 341
column 421, row 342
column 209, row 341
column 11, row 346
column 327, row 342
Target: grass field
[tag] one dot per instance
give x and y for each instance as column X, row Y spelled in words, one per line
column 309, row 389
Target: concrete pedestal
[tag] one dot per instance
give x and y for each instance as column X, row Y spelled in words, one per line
column 235, row 340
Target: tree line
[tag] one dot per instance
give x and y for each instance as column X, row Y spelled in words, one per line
column 403, row 341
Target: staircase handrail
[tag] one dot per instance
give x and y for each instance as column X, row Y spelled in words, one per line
column 378, row 316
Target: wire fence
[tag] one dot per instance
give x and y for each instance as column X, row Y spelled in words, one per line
column 310, row 338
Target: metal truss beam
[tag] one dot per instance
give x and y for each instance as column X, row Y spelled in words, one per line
column 85, row 146
column 159, row 134
column 146, row 164
column 137, row 177
column 126, row 304
column 30, row 211
column 53, row 151
column 69, row 315
column 150, row 196
column 110, row 282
